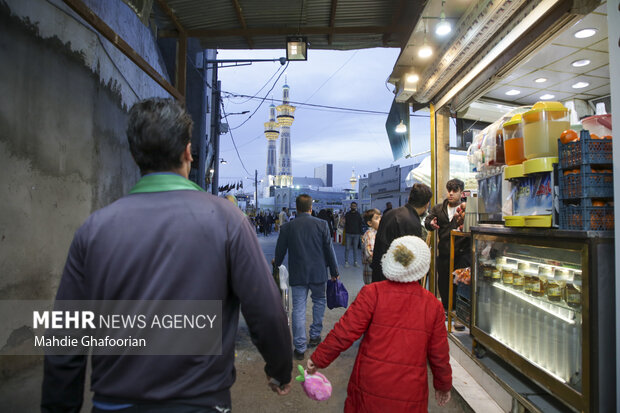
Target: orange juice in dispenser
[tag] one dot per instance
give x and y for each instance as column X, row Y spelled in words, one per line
column 513, row 140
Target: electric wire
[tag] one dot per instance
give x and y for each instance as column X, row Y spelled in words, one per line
column 259, row 90
column 262, row 99
column 332, row 75
column 101, row 42
column 246, row 142
column 232, row 138
column 338, row 108
column 301, row 10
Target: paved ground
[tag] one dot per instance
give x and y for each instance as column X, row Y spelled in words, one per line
column 250, row 393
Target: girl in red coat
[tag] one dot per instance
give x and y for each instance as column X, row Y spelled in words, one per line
column 404, row 328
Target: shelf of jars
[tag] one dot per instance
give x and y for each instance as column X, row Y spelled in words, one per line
column 533, row 306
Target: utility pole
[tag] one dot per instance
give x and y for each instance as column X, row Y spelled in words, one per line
column 256, row 190
column 215, row 128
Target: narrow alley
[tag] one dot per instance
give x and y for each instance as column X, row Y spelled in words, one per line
column 250, row 392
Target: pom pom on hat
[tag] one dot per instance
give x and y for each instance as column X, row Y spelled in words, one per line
column 408, row 259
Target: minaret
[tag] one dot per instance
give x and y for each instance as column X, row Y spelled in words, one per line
column 271, row 133
column 353, row 180
column 285, row 120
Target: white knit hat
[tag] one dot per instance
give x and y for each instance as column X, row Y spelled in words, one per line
column 407, row 260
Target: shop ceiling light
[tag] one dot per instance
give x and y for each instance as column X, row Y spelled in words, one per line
column 425, row 51
column 401, row 127
column 580, row 63
column 547, row 96
column 513, row 92
column 580, row 85
column 541, row 80
column 585, row 33
column 412, row 78
column 443, row 27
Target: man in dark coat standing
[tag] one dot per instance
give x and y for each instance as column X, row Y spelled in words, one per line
column 443, row 218
column 353, row 224
column 388, row 207
column 150, row 246
column 310, row 252
column 399, row 222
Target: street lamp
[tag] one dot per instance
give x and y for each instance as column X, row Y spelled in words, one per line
column 296, row 48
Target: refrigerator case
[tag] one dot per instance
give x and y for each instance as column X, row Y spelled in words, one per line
column 544, row 302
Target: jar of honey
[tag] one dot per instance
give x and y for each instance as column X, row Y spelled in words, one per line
column 573, row 291
column 529, row 275
column 487, row 269
column 555, row 286
column 539, row 283
column 497, row 270
column 508, row 272
column 518, row 277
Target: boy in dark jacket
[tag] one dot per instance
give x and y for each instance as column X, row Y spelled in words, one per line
column 443, row 217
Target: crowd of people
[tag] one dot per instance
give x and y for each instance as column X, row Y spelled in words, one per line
column 150, row 245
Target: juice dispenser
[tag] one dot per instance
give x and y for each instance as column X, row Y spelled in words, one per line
column 513, row 140
column 542, row 127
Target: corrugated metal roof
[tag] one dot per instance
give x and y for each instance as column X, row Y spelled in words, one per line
column 356, row 24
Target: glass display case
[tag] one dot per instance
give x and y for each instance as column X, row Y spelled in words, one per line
column 542, row 302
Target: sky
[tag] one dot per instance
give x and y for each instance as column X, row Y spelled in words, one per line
column 344, row 79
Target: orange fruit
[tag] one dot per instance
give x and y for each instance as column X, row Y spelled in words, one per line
column 595, row 136
column 598, row 203
column 607, row 137
column 569, row 135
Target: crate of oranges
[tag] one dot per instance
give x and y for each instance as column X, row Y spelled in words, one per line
column 588, row 214
column 583, row 148
column 586, row 181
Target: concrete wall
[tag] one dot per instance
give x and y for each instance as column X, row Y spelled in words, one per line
column 64, row 93
column 63, row 151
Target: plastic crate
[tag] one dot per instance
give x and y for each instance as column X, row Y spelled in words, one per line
column 585, row 217
column 463, row 290
column 463, row 309
column 588, row 183
column 585, row 151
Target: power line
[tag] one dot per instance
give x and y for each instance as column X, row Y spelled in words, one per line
column 233, row 139
column 332, row 75
column 339, row 108
column 256, row 94
column 262, row 99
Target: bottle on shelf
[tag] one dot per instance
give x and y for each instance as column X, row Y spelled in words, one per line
column 555, row 286
column 527, row 270
column 507, row 274
column 518, row 277
column 573, row 291
column 497, row 271
column 487, row 269
column 539, row 282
